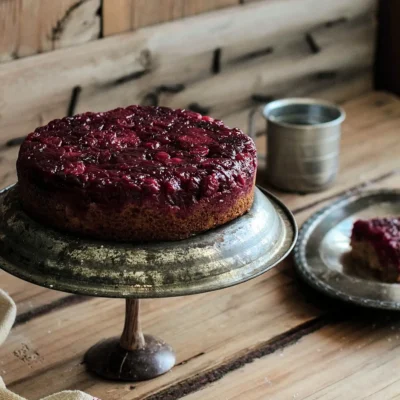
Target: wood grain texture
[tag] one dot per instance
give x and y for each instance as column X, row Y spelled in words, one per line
column 28, row 27
column 289, row 70
column 354, row 358
column 9, row 12
column 292, row 69
column 80, row 24
column 219, row 330
column 208, row 331
column 99, row 64
column 192, row 7
column 116, row 16
column 125, row 15
column 28, row 297
column 348, row 360
column 151, row 12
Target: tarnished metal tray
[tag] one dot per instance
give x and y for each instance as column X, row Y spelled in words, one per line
column 322, row 251
column 225, row 256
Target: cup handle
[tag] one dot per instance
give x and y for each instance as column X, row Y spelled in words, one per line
column 251, row 125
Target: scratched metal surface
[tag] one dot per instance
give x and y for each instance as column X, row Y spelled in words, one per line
column 322, row 253
column 225, row 256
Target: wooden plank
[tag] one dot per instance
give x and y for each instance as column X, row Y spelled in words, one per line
column 203, row 89
column 125, row 15
column 56, row 24
column 80, row 24
column 192, row 7
column 274, row 75
column 149, row 88
column 102, row 62
column 350, row 360
column 35, row 36
column 8, row 29
column 207, row 330
column 28, row 297
column 151, row 12
column 33, row 26
column 321, row 34
column 116, row 16
column 220, row 331
column 36, row 76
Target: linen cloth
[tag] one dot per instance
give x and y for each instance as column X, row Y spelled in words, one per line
column 8, row 311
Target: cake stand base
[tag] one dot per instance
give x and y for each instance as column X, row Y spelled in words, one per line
column 109, row 360
column 133, row 357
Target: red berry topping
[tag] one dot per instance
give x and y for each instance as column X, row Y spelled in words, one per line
column 139, row 153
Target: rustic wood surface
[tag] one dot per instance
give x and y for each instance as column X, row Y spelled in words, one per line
column 259, row 51
column 28, row 27
column 126, row 15
column 269, row 338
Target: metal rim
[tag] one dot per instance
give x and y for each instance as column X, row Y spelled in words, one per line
column 305, row 271
column 229, row 279
column 304, row 101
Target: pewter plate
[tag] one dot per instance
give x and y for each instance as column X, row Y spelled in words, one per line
column 322, row 251
column 222, row 257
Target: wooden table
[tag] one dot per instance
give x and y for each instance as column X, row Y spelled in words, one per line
column 270, row 338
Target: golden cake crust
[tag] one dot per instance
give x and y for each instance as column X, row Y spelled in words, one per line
column 132, row 222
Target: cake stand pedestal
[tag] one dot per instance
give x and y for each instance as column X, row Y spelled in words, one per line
column 225, row 256
column 134, row 356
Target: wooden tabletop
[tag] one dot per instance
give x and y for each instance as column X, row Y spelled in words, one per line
column 269, row 338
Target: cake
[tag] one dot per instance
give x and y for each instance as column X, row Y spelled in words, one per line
column 136, row 174
column 376, row 243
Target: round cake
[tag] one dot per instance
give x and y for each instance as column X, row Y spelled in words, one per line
column 136, row 174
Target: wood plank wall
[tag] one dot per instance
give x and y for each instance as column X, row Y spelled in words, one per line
column 126, row 15
column 28, row 27
column 222, row 62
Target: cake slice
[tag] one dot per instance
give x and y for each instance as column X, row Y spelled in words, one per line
column 376, row 243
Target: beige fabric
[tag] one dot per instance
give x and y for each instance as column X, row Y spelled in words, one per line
column 8, row 312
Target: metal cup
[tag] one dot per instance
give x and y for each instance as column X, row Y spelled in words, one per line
column 303, row 143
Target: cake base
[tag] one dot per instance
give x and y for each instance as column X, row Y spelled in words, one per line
column 131, row 222
column 365, row 253
column 109, row 360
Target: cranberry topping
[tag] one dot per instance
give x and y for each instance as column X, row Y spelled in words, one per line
column 383, row 234
column 139, row 153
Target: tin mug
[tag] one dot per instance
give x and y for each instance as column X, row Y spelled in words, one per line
column 303, row 143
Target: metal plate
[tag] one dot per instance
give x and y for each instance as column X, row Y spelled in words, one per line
column 322, row 251
column 225, row 256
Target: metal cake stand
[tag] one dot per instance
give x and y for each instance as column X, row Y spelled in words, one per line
column 225, row 256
